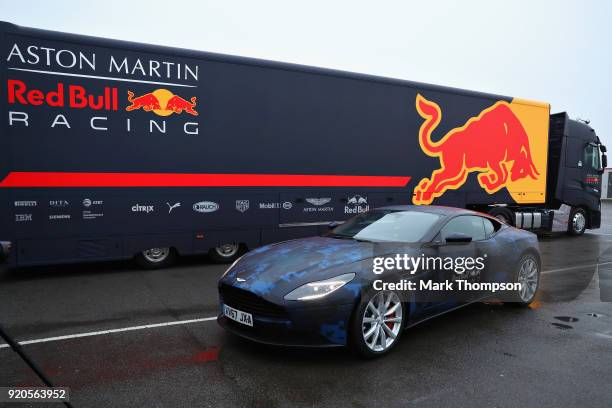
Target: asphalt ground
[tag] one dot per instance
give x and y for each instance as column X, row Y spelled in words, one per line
column 558, row 353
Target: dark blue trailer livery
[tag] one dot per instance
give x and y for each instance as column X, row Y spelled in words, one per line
column 112, row 149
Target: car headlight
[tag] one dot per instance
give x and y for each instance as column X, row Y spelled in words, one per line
column 316, row 290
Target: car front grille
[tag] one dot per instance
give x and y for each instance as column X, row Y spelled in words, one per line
column 250, row 302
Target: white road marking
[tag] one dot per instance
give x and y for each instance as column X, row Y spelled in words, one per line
column 123, row 329
column 207, row 319
column 569, row 268
column 38, row 71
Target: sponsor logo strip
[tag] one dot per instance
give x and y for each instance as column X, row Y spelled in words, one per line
column 38, row 71
column 61, row 179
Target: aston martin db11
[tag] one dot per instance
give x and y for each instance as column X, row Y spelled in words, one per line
column 333, row 290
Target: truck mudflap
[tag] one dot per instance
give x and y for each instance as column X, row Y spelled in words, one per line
column 595, row 217
column 561, row 218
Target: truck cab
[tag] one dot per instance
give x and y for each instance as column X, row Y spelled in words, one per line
column 577, row 160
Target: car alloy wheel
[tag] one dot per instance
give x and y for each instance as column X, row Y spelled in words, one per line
column 528, row 278
column 382, row 321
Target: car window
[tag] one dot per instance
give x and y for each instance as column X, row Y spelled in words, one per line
column 491, row 226
column 392, row 226
column 466, row 224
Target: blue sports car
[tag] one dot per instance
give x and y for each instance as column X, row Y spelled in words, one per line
column 352, row 286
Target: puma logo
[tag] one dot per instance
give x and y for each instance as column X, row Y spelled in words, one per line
column 172, row 207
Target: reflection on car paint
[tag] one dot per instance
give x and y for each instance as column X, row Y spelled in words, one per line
column 282, row 262
column 334, row 332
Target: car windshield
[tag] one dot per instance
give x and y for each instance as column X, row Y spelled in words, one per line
column 391, row 226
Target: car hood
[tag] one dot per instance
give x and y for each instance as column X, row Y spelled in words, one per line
column 274, row 270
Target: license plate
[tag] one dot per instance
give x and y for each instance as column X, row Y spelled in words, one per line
column 238, row 315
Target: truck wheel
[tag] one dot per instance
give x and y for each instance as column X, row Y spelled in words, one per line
column 503, row 214
column 576, row 223
column 226, row 253
column 155, row 258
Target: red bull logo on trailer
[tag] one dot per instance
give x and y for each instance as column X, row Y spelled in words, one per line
column 162, row 102
column 506, row 144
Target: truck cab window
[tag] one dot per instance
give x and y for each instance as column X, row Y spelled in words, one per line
column 591, row 157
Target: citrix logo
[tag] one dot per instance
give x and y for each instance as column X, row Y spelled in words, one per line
column 143, row 208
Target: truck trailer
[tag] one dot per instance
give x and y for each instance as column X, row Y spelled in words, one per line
column 113, row 149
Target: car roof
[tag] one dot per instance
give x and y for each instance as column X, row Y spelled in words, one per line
column 434, row 209
column 445, row 212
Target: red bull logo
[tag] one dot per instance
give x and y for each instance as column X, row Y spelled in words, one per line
column 494, row 144
column 162, row 102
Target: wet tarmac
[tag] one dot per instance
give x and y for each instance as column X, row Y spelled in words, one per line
column 130, row 337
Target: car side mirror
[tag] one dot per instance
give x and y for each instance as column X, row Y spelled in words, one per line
column 458, row 238
column 334, row 224
column 604, row 162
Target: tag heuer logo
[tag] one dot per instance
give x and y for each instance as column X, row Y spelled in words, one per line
column 318, row 201
column 242, row 205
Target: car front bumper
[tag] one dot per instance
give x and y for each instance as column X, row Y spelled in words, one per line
column 325, row 326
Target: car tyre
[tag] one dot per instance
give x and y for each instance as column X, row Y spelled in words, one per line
column 226, row 253
column 576, row 224
column 377, row 324
column 528, row 274
column 156, row 258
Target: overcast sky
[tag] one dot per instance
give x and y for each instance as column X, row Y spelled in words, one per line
column 553, row 51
